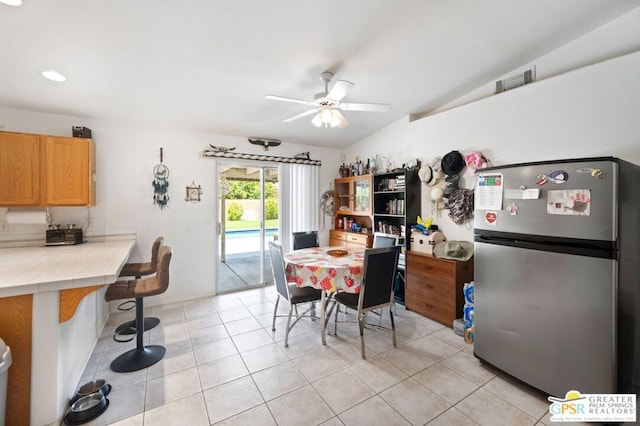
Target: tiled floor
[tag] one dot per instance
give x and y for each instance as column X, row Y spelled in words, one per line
column 225, row 366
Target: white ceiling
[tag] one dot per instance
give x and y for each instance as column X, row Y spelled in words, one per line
column 205, row 65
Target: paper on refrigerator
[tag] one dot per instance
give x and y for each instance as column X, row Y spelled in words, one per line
column 489, row 192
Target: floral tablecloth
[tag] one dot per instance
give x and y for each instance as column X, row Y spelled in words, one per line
column 315, row 267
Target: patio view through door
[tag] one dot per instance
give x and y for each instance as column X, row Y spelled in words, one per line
column 248, row 212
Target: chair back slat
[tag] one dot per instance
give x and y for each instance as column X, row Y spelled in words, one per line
column 305, row 240
column 378, row 276
column 278, row 269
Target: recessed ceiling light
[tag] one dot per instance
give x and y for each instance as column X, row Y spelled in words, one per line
column 12, row 2
column 53, row 75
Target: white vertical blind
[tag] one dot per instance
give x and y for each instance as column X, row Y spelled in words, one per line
column 299, row 202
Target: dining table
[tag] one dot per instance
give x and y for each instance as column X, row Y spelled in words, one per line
column 331, row 269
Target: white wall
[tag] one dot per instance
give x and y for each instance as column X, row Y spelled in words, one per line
column 590, row 111
column 125, row 156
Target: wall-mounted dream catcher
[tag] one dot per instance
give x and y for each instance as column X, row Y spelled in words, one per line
column 160, row 184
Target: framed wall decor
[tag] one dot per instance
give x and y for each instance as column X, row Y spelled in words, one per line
column 193, row 193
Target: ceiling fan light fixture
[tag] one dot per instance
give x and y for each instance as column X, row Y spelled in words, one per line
column 327, row 115
column 317, row 120
column 326, row 104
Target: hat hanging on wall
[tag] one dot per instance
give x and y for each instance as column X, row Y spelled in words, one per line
column 475, row 160
column 455, row 250
column 436, row 166
column 426, row 175
column 453, row 163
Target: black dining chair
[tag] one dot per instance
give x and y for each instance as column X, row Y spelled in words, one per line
column 376, row 290
column 289, row 292
column 386, row 240
column 305, row 240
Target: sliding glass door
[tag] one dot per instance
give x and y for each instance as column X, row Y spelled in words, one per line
column 248, row 212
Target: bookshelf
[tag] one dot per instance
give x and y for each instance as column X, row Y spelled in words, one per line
column 396, row 202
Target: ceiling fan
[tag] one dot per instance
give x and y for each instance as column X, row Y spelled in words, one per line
column 326, row 104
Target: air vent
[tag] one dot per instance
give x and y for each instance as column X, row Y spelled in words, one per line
column 517, row 80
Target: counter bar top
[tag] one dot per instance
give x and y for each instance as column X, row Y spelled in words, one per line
column 30, row 270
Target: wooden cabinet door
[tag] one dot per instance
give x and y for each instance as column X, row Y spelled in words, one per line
column 19, row 169
column 68, row 171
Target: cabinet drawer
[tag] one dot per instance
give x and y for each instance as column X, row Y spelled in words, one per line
column 430, row 308
column 440, row 269
column 337, row 242
column 359, row 239
column 337, row 235
column 442, row 291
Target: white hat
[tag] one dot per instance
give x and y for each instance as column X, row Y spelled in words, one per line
column 436, row 166
column 426, row 175
column 436, row 194
column 455, row 250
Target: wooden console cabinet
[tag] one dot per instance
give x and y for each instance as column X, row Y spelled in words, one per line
column 433, row 286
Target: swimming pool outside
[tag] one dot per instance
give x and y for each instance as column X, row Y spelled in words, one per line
column 246, row 240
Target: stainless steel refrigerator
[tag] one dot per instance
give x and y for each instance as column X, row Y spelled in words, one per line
column 557, row 273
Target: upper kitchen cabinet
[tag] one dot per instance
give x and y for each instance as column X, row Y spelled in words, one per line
column 353, row 195
column 40, row 170
column 19, row 169
column 69, row 170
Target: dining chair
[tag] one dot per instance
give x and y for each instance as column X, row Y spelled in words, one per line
column 290, row 292
column 305, row 240
column 386, row 240
column 376, row 290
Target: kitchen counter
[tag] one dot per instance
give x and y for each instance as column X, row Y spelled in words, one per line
column 30, row 270
column 52, row 312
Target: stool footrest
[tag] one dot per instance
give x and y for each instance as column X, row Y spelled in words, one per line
column 130, row 331
column 121, row 306
column 129, row 327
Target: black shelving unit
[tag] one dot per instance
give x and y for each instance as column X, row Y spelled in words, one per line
column 396, row 202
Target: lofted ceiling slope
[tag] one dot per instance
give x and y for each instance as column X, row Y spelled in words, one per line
column 206, row 65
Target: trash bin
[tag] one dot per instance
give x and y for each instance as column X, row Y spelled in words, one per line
column 5, row 363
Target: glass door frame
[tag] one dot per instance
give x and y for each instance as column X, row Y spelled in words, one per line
column 221, row 228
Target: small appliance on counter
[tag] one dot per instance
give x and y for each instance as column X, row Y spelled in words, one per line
column 63, row 237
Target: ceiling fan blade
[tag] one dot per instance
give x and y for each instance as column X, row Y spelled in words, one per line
column 364, row 107
column 340, row 90
column 342, row 122
column 282, row 98
column 302, row 114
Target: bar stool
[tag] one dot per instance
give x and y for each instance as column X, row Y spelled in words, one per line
column 142, row 356
column 138, row 270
